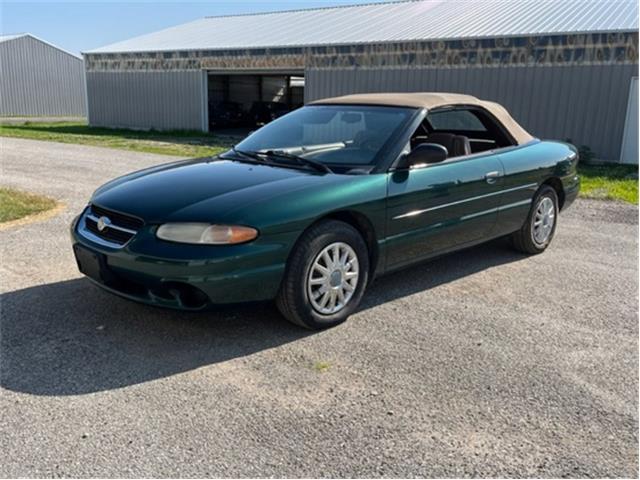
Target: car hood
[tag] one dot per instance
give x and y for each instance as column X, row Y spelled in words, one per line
column 201, row 190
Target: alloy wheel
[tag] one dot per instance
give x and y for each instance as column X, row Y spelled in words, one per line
column 544, row 220
column 333, row 278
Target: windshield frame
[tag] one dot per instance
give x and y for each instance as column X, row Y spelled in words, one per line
column 387, row 152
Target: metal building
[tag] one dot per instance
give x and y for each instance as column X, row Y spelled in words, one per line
column 563, row 68
column 37, row 78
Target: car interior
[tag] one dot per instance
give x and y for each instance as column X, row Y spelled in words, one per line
column 462, row 131
column 348, row 141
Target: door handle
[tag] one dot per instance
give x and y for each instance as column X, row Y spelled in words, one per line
column 491, row 177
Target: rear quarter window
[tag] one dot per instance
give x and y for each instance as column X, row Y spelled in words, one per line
column 463, row 120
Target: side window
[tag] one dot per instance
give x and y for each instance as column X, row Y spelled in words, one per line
column 462, row 120
column 473, row 128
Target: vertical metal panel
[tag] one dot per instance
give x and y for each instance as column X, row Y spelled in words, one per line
column 160, row 100
column 39, row 79
column 630, row 138
column 204, row 101
column 594, row 99
column 608, row 119
column 584, row 103
column 619, row 104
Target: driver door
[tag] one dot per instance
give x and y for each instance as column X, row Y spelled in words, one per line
column 442, row 206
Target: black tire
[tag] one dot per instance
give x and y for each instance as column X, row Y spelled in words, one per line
column 524, row 239
column 293, row 297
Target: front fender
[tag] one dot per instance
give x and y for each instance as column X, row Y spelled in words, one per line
column 296, row 211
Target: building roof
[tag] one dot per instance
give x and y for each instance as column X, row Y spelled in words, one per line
column 389, row 22
column 430, row 101
column 6, row 38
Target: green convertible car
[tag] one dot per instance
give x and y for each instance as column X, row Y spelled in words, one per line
column 310, row 208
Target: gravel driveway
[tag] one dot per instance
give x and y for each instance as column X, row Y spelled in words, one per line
column 483, row 363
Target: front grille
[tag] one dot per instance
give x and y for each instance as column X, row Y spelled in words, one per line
column 120, row 219
column 119, row 231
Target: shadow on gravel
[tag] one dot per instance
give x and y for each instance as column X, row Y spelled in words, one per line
column 430, row 274
column 71, row 338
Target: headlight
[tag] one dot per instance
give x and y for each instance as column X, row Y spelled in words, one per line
column 205, row 233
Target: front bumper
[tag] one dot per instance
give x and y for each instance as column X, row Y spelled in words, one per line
column 182, row 276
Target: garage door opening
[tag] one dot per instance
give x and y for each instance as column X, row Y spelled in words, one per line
column 245, row 102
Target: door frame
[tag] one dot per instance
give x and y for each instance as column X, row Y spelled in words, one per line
column 628, row 131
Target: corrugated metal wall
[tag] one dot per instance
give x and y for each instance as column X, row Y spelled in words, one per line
column 39, row 79
column 586, row 103
column 147, row 99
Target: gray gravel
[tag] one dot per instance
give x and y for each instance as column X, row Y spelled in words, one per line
column 482, row 363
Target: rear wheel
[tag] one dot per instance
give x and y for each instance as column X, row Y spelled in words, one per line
column 538, row 231
column 326, row 276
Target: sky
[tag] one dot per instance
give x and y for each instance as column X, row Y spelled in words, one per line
column 78, row 26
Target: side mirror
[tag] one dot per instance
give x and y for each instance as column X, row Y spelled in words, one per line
column 424, row 154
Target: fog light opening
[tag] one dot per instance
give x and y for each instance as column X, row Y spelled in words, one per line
column 185, row 294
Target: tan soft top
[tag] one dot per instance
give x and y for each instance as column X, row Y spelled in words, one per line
column 431, row 101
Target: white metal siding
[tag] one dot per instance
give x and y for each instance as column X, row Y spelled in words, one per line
column 39, row 79
column 630, row 139
column 159, row 100
column 585, row 103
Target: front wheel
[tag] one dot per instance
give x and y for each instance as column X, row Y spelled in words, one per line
column 326, row 276
column 538, row 230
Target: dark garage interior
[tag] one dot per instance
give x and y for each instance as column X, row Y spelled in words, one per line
column 250, row 100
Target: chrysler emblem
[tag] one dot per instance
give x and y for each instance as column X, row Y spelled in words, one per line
column 103, row 222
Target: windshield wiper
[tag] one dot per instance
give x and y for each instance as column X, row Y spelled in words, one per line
column 321, row 167
column 249, row 154
column 260, row 157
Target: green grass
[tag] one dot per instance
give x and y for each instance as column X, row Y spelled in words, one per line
column 15, row 204
column 180, row 143
column 609, row 182
column 321, row 367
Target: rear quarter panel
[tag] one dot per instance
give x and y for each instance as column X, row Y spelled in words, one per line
column 526, row 168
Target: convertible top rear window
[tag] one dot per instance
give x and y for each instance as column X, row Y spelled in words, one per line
column 480, row 127
column 332, row 134
column 455, row 120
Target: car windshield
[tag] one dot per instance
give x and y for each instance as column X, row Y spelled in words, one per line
column 331, row 134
